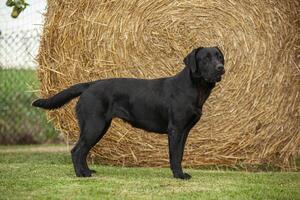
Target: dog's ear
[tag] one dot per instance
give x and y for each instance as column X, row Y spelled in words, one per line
column 191, row 61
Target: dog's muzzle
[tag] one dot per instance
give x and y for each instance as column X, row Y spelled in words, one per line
column 220, row 69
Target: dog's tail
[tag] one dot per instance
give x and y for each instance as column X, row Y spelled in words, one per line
column 62, row 97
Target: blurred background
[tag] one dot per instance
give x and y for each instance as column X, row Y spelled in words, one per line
column 19, row 86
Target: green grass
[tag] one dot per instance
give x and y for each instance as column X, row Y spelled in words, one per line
column 37, row 175
column 18, row 118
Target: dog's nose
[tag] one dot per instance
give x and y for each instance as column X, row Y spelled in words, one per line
column 220, row 68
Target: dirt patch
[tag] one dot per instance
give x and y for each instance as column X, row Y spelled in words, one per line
column 15, row 149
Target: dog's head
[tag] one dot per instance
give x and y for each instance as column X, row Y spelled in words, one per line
column 206, row 63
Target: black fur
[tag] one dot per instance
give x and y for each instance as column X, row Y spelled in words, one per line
column 63, row 97
column 171, row 105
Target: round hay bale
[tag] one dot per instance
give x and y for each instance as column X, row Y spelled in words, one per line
column 251, row 117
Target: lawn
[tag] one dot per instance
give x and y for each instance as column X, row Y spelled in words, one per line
column 33, row 173
column 19, row 121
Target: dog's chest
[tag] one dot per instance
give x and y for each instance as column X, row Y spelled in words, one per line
column 202, row 97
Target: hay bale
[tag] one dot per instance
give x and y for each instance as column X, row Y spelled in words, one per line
column 252, row 117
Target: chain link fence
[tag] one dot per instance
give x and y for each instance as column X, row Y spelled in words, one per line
column 19, row 122
column 19, row 49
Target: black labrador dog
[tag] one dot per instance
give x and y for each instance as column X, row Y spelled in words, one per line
column 171, row 105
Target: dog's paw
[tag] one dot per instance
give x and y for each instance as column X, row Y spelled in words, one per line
column 84, row 173
column 183, row 176
column 186, row 176
column 93, row 171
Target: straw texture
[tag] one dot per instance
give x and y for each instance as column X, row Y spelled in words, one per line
column 251, row 117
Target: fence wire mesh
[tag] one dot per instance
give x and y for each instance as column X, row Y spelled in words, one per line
column 19, row 122
column 18, row 49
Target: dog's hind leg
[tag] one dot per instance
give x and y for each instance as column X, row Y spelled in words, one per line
column 92, row 130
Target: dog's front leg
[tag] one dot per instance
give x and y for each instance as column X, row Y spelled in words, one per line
column 176, row 139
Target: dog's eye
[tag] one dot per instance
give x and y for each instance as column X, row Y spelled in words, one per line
column 219, row 56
